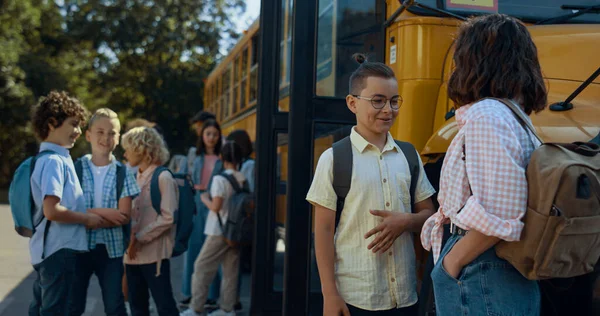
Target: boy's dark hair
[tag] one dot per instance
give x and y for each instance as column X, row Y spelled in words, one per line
column 496, row 57
column 202, row 116
column 232, row 152
column 365, row 70
column 242, row 138
column 200, row 149
column 54, row 109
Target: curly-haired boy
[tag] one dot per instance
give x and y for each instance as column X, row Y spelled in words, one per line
column 61, row 235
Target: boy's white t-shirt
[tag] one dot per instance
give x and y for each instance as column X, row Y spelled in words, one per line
column 220, row 187
column 99, row 173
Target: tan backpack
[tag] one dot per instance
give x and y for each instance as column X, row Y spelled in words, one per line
column 561, row 237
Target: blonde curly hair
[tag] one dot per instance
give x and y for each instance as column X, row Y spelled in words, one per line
column 147, row 142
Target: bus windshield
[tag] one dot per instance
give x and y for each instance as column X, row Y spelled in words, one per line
column 529, row 11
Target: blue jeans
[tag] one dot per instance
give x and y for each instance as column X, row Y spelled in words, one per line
column 110, row 274
column 194, row 246
column 53, row 288
column 487, row 286
column 140, row 279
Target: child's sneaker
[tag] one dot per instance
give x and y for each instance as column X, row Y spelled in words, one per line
column 211, row 304
column 220, row 312
column 191, row 312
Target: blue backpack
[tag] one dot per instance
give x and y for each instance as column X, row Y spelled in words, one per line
column 20, row 199
column 183, row 217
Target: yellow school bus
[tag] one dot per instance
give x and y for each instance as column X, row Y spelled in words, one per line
column 418, row 44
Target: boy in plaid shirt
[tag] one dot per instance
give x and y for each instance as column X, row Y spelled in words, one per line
column 99, row 173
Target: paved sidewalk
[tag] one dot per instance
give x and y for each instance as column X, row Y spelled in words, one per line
column 16, row 275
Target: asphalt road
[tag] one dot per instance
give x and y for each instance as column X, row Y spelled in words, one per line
column 16, row 275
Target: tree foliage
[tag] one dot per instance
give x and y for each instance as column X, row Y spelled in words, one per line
column 140, row 58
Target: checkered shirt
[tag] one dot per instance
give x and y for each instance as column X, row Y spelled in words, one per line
column 113, row 236
column 497, row 150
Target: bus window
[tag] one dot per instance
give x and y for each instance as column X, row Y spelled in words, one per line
column 529, row 11
column 254, row 70
column 288, row 72
column 285, row 53
column 244, row 92
column 236, row 85
column 227, row 93
column 345, row 27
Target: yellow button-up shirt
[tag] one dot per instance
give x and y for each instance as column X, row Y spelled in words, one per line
column 380, row 181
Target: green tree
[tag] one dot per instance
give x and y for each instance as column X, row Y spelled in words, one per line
column 141, row 58
column 156, row 54
column 18, row 18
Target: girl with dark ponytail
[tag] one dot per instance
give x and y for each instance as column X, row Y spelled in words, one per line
column 215, row 251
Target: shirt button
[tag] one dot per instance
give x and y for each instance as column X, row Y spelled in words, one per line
column 390, row 253
column 387, row 204
column 393, row 280
column 384, row 180
column 380, row 157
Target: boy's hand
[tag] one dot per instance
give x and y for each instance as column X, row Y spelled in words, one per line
column 335, row 306
column 392, row 226
column 133, row 248
column 205, row 198
column 115, row 217
column 93, row 221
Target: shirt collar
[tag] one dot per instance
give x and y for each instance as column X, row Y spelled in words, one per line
column 55, row 148
column 88, row 158
column 461, row 115
column 361, row 143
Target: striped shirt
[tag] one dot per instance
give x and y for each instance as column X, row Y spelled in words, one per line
column 380, row 181
column 497, row 150
column 112, row 237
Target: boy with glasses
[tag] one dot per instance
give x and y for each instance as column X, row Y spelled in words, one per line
column 367, row 262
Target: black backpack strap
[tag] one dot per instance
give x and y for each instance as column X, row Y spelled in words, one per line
column 231, row 179
column 413, row 164
column 342, row 174
column 121, row 173
column 79, row 170
column 47, row 229
column 155, row 189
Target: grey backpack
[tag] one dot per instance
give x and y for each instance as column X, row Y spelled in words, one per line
column 342, row 171
column 239, row 227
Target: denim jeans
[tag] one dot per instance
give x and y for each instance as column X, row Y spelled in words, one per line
column 487, row 286
column 110, row 274
column 140, row 279
column 53, row 288
column 194, row 246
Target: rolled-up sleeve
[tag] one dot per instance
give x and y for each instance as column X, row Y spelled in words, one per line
column 321, row 191
column 169, row 193
column 494, row 166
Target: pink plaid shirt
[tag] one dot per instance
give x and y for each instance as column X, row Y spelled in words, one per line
column 497, row 151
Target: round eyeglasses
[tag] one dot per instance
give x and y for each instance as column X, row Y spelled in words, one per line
column 379, row 102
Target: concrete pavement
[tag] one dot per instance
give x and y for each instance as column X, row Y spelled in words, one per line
column 16, row 275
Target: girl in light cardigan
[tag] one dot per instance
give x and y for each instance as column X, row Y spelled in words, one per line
column 153, row 231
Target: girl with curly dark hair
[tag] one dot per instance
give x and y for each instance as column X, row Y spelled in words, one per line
column 483, row 188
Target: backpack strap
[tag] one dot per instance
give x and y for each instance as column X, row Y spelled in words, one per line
column 34, row 160
column 121, row 173
column 155, row 189
column 521, row 117
column 342, row 173
column 79, row 170
column 231, row 179
column 413, row 164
